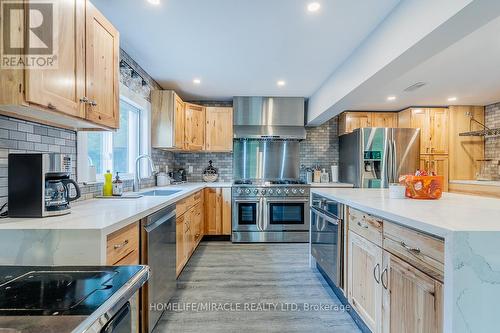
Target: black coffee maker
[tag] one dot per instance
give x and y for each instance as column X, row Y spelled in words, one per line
column 40, row 185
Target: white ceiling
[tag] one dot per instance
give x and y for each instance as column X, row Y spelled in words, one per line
column 468, row 70
column 242, row 47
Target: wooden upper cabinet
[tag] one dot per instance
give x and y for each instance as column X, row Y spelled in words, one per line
column 194, row 127
column 384, row 119
column 61, row 89
column 219, row 129
column 102, row 74
column 412, row 301
column 179, row 122
column 433, row 124
column 349, row 121
column 439, row 126
column 364, row 289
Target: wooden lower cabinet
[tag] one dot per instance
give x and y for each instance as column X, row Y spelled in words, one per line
column 364, row 290
column 189, row 228
column 437, row 164
column 412, row 301
column 218, row 211
column 390, row 294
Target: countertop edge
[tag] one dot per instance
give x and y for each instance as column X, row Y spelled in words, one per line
column 398, row 219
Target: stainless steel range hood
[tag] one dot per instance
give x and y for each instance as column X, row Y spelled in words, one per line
column 269, row 117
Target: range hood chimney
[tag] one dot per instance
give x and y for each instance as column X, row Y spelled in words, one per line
column 269, row 118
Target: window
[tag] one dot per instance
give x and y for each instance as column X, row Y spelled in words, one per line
column 117, row 151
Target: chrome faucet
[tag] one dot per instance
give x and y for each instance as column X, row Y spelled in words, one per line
column 137, row 177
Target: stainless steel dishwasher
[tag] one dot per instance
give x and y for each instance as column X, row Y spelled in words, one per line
column 327, row 237
column 159, row 245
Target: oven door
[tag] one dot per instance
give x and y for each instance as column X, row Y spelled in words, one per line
column 247, row 215
column 286, row 214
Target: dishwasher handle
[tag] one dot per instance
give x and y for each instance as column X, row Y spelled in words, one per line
column 328, row 217
column 155, row 224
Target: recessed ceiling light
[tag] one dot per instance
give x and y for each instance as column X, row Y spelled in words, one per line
column 313, row 7
column 196, row 81
column 391, row 98
column 281, row 83
column 452, row 99
column 154, row 2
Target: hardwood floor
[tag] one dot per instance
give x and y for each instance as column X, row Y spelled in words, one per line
column 245, row 275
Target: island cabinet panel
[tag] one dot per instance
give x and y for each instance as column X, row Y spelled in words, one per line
column 364, row 289
column 412, row 301
column 122, row 247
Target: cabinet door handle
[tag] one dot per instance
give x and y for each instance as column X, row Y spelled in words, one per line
column 384, row 273
column 410, row 249
column 51, row 106
column 119, row 246
column 376, row 273
column 363, row 225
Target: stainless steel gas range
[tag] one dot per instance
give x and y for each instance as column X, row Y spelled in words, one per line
column 270, row 212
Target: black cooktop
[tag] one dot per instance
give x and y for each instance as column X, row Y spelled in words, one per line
column 59, row 290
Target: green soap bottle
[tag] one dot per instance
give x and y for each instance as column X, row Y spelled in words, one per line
column 107, row 189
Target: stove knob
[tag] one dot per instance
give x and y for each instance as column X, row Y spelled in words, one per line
column 255, row 191
column 302, row 191
column 294, row 191
column 278, row 191
column 270, row 191
column 239, row 191
column 287, row 191
column 263, row 191
column 247, row 191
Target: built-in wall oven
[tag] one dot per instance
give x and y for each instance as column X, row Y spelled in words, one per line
column 270, row 214
column 327, row 237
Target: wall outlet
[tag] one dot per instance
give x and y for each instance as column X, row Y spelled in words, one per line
column 190, row 169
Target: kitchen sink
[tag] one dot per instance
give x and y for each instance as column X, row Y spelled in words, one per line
column 160, row 193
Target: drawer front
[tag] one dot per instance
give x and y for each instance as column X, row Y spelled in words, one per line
column 197, row 197
column 122, row 243
column 422, row 251
column 182, row 206
column 366, row 226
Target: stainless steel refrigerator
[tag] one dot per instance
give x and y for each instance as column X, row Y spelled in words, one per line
column 375, row 157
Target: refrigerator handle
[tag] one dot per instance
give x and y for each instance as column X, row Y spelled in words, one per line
column 395, row 177
column 389, row 163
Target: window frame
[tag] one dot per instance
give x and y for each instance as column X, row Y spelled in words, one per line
column 144, row 106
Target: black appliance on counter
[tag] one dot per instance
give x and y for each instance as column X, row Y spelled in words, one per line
column 178, row 176
column 327, row 233
column 78, row 299
column 39, row 185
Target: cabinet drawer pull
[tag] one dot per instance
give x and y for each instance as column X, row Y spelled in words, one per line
column 376, row 273
column 410, row 249
column 384, row 273
column 51, row 106
column 363, row 225
column 119, row 246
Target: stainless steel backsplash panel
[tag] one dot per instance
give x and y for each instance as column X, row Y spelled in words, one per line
column 266, row 159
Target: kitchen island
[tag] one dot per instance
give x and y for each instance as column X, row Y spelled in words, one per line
column 470, row 227
column 81, row 237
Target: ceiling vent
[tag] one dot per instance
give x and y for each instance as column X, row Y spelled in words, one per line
column 415, row 86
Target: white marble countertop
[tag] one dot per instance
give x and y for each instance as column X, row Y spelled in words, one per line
column 107, row 215
column 477, row 182
column 453, row 212
column 336, row 184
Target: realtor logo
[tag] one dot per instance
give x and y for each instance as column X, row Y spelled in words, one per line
column 28, row 34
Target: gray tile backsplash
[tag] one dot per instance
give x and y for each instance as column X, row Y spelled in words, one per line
column 492, row 144
column 22, row 136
